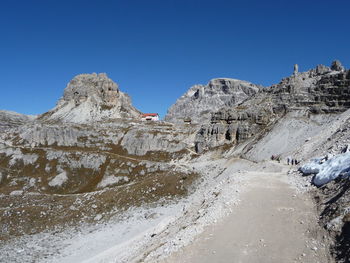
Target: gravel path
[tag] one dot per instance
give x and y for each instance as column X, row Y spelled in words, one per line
column 272, row 223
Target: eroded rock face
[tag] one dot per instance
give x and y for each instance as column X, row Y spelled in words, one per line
column 322, row 90
column 232, row 126
column 98, row 86
column 200, row 100
column 84, row 152
column 92, row 97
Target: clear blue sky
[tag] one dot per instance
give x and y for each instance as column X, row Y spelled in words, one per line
column 156, row 50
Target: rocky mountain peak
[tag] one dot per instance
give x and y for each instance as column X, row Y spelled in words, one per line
column 200, row 100
column 319, row 91
column 92, row 97
column 98, row 86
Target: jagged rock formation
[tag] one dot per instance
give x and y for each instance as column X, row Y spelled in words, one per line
column 200, row 100
column 296, row 69
column 92, row 97
column 337, row 66
column 321, row 90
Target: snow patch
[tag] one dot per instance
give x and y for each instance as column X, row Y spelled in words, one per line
column 329, row 169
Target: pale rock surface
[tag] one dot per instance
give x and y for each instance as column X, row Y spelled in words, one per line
column 200, row 100
column 322, row 91
column 10, row 119
column 336, row 65
column 92, row 97
column 58, row 180
column 112, row 180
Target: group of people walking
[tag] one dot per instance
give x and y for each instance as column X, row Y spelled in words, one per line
column 292, row 161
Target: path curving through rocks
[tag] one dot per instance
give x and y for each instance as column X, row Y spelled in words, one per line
column 271, row 224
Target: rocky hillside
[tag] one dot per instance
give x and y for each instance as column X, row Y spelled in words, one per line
column 200, row 100
column 332, row 198
column 91, row 97
column 10, row 119
column 128, row 163
column 90, row 156
column 320, row 91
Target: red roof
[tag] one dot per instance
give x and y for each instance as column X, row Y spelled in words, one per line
column 149, row 114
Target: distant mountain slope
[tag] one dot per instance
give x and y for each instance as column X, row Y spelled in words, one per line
column 200, row 100
column 9, row 119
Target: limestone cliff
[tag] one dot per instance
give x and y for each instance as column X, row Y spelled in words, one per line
column 92, row 97
column 323, row 90
column 200, row 100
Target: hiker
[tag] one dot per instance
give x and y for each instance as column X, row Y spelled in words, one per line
column 288, row 160
column 292, row 161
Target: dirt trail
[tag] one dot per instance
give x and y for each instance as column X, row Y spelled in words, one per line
column 271, row 224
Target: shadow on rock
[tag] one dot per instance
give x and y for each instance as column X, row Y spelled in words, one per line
column 343, row 244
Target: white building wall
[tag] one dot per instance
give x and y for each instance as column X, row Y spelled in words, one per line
column 152, row 118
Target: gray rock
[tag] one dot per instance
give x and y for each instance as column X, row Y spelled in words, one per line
column 10, row 119
column 317, row 91
column 92, row 97
column 337, row 66
column 296, row 69
column 140, row 142
column 322, row 69
column 199, row 101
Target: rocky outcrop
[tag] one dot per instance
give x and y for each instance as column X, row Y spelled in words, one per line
column 84, row 152
column 200, row 100
column 231, row 126
column 337, row 66
column 91, row 97
column 322, row 90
